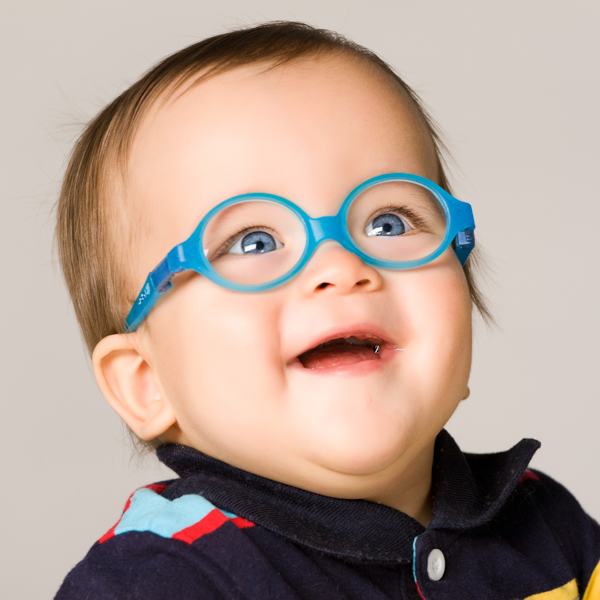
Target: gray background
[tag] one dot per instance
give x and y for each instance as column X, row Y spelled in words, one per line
column 515, row 86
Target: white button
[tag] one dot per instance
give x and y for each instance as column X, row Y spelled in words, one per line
column 436, row 565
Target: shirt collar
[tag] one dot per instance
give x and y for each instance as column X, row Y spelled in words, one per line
column 468, row 490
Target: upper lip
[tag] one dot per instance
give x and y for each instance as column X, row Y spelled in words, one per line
column 359, row 330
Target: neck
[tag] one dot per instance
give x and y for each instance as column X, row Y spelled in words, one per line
column 410, row 490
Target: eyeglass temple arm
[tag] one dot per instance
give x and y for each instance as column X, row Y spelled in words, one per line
column 464, row 241
column 463, row 244
column 157, row 283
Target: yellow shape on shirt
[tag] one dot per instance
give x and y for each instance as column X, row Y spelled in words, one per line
column 593, row 588
column 568, row 591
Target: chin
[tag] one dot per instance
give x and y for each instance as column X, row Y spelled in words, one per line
column 358, row 431
column 364, row 451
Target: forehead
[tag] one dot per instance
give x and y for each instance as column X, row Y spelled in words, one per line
column 309, row 131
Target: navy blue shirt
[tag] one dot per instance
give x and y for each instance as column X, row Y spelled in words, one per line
column 498, row 531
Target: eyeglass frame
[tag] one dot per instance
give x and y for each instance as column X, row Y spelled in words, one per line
column 186, row 256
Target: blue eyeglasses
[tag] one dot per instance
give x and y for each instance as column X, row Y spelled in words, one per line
column 256, row 242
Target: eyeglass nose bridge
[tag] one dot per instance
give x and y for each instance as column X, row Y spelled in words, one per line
column 326, row 228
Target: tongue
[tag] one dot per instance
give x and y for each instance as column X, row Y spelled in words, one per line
column 336, row 356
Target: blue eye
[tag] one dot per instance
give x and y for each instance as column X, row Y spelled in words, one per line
column 387, row 224
column 256, row 242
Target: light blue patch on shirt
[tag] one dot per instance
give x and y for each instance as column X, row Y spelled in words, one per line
column 149, row 511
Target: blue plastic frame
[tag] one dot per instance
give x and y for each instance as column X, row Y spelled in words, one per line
column 460, row 227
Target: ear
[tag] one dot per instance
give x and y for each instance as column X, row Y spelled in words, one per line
column 128, row 382
column 466, row 394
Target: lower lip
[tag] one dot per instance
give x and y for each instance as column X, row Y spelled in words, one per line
column 364, row 367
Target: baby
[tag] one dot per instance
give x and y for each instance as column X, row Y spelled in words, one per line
column 301, row 340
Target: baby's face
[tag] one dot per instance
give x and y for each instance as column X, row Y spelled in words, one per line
column 227, row 362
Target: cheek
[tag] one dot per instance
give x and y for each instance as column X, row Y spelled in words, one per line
column 218, row 355
column 440, row 331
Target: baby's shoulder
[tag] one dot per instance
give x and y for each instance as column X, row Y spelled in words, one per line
column 546, row 511
column 555, row 502
column 159, row 547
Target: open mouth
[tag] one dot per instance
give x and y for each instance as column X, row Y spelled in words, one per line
column 343, row 351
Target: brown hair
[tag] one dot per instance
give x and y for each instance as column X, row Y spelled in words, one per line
column 88, row 232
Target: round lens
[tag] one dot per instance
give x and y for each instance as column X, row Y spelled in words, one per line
column 397, row 221
column 253, row 242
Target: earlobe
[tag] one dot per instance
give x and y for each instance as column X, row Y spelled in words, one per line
column 128, row 382
column 466, row 394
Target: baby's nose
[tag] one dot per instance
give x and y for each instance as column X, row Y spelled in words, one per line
column 333, row 268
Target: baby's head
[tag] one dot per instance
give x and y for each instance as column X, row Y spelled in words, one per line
column 242, row 375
